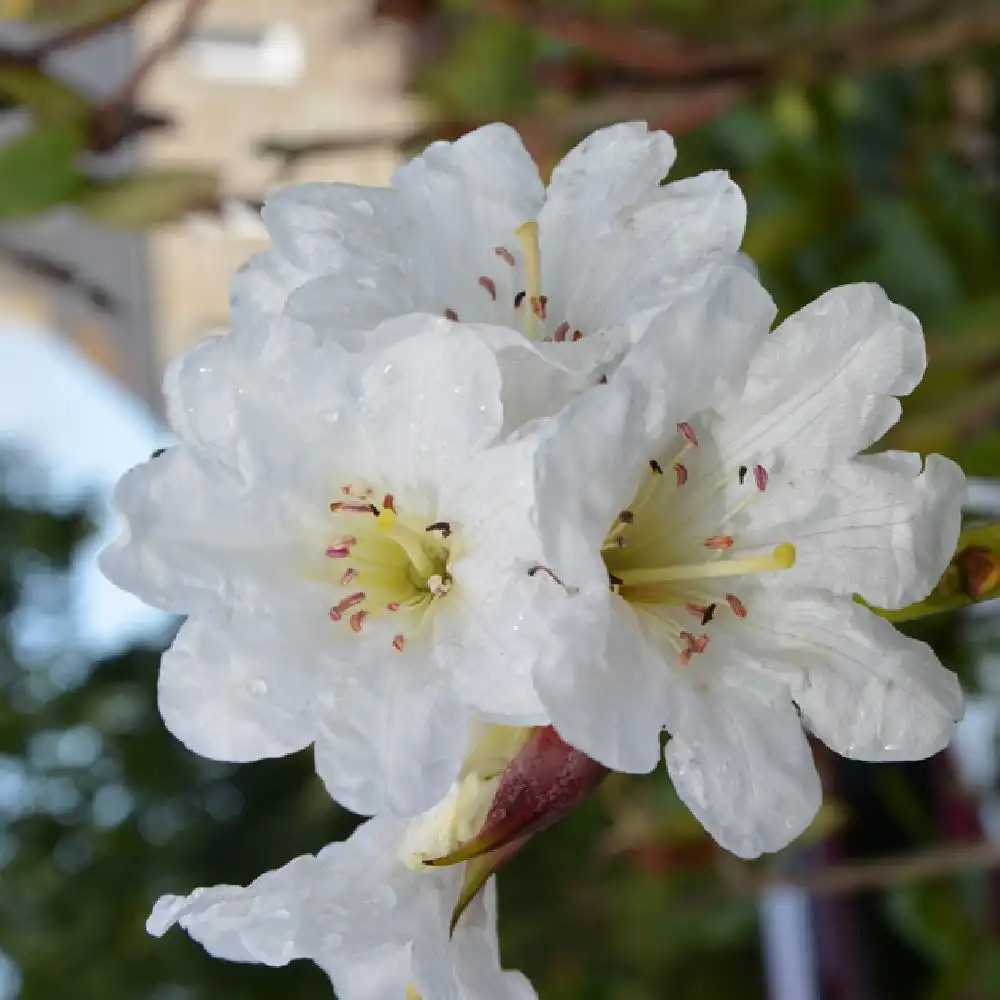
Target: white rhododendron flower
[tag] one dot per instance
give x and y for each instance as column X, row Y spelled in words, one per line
column 468, row 231
column 702, row 562
column 351, row 540
column 368, row 911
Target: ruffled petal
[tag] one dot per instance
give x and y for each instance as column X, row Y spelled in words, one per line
column 884, row 526
column 823, row 386
column 868, row 691
column 740, row 762
column 603, row 685
column 262, row 286
column 230, row 688
column 392, row 739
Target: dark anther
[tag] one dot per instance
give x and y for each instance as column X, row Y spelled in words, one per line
column 626, row 516
column 451, row 314
column 518, row 299
column 656, row 467
column 158, row 453
column 443, row 526
column 743, row 474
column 603, row 380
column 374, row 509
column 615, row 581
column 708, row 615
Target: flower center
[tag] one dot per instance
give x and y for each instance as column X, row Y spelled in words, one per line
column 512, row 296
column 393, row 565
column 677, row 575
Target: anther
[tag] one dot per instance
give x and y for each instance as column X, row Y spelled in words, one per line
column 538, row 568
column 337, row 611
column 603, row 380
column 656, row 467
column 349, row 574
column 699, row 610
column 561, row 330
column 505, row 255
column 739, row 608
column 372, row 509
column 708, row 615
column 350, row 490
column 340, row 550
column 519, row 298
column 157, row 453
column 719, row 542
column 357, row 620
column 389, row 502
column 760, row 477
column 392, row 606
column 743, row 474
column 686, row 431
column 443, row 526
column 539, row 305
column 398, row 643
column 451, row 314
column 490, row 285
column 682, row 473
column 350, row 507
column 577, row 335
column 626, row 516
column 615, row 581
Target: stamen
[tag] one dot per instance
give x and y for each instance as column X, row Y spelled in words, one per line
column 490, row 285
column 451, row 314
column 539, row 306
column 577, row 335
column 337, row 611
column 437, row 585
column 719, row 542
column 561, row 330
column 708, row 615
column 342, row 548
column 699, row 610
column 739, row 608
column 357, row 620
column 349, row 574
column 392, row 606
column 398, row 643
column 552, row 576
column 527, row 234
column 760, row 477
column 656, row 467
column 389, row 502
column 687, row 432
column 519, row 298
column 682, row 473
column 781, row 557
column 407, row 539
column 350, row 507
column 626, row 516
column 443, row 526
column 505, row 255
column 743, row 474
column 350, row 490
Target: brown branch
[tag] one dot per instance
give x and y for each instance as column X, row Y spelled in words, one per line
column 173, row 39
column 875, row 873
column 81, row 32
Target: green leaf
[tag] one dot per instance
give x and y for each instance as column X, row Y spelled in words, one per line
column 972, row 576
column 38, row 169
column 150, row 197
column 50, row 99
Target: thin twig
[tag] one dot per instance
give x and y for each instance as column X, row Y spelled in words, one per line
column 56, row 273
column 874, row 873
column 125, row 95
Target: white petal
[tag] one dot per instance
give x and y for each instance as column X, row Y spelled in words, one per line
column 867, row 691
column 393, row 739
column 881, row 525
column 740, row 761
column 262, row 287
column 604, row 687
column 823, row 385
column 699, row 346
column 261, row 923
column 231, row 689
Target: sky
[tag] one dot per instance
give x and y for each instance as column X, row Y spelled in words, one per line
column 85, row 431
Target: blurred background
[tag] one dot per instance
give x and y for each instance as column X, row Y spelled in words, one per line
column 137, row 141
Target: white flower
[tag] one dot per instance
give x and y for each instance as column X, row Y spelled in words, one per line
column 351, row 541
column 368, row 911
column 734, row 533
column 467, row 230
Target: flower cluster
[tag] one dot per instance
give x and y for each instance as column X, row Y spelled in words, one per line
column 490, row 486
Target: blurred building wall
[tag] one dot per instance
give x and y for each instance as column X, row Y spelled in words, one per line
column 255, row 70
